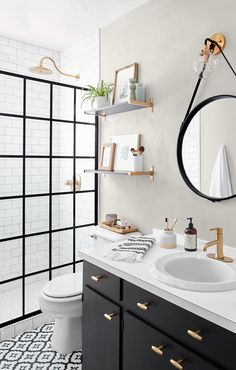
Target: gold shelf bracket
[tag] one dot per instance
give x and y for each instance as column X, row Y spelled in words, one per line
column 150, row 104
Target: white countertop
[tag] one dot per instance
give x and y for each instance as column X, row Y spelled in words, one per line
column 217, row 307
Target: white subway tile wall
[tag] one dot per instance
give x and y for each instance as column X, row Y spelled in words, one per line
column 17, row 57
column 192, row 152
column 11, row 135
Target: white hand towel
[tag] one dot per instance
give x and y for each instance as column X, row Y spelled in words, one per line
column 220, row 186
column 131, row 250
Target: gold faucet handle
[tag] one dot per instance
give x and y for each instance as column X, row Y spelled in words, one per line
column 216, row 228
column 219, row 230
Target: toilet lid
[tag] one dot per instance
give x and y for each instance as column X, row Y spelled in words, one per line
column 64, row 286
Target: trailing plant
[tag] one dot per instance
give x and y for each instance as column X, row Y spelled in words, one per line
column 102, row 89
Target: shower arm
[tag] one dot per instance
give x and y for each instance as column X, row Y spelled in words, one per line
column 77, row 76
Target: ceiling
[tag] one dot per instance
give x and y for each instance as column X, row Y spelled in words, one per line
column 56, row 24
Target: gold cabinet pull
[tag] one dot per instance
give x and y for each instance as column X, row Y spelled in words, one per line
column 158, row 350
column 195, row 334
column 96, row 278
column 109, row 316
column 143, row 306
column 177, row 363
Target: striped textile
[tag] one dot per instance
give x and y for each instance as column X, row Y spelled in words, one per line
column 132, row 250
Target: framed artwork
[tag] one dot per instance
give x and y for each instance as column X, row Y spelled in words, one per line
column 123, row 157
column 121, row 86
column 107, row 157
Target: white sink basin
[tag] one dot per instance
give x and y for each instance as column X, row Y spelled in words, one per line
column 195, row 271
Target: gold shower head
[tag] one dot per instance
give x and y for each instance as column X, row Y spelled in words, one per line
column 41, row 70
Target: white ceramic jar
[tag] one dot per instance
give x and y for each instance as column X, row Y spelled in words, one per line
column 168, row 239
column 137, row 163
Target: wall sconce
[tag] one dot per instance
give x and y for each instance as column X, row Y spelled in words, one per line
column 207, row 62
column 41, row 70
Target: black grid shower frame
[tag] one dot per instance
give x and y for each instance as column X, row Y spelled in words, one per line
column 50, row 194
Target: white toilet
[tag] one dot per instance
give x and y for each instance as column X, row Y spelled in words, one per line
column 61, row 298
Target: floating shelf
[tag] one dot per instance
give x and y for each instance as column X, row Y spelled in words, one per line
column 122, row 107
column 149, row 173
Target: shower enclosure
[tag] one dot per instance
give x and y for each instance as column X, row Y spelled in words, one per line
column 47, row 203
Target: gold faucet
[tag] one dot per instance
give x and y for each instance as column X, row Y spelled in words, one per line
column 219, row 255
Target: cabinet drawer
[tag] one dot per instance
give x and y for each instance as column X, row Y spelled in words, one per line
column 147, row 348
column 217, row 344
column 101, row 281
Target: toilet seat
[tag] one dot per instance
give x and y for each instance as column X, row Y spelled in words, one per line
column 65, row 286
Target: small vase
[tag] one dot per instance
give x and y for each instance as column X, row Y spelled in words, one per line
column 137, row 163
column 100, row 102
column 132, row 88
column 140, row 92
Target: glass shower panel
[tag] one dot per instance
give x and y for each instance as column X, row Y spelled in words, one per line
column 63, row 134
column 81, row 116
column 84, row 208
column 65, row 111
column 87, row 180
column 11, row 94
column 85, row 140
column 62, row 211
column 33, row 287
column 10, row 259
column 37, row 99
column 37, row 176
column 37, row 137
column 10, row 218
column 11, row 178
column 36, row 253
column 62, row 247
column 83, row 239
column 62, row 175
column 36, row 214
column 11, row 300
column 36, row 187
column 11, row 136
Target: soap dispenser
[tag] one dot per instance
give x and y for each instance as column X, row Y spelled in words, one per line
column 190, row 238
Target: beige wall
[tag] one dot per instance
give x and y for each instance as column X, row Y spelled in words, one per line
column 164, row 36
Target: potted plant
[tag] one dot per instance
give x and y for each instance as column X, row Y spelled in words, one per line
column 98, row 95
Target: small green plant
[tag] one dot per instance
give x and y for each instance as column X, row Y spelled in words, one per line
column 102, row 89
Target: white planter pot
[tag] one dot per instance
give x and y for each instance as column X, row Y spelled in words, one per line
column 137, row 163
column 100, row 102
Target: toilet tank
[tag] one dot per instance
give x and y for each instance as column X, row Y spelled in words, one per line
column 102, row 236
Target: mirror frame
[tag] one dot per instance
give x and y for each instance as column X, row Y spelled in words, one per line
column 182, row 132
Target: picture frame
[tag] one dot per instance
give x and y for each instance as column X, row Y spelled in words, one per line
column 107, row 155
column 121, row 85
column 123, row 160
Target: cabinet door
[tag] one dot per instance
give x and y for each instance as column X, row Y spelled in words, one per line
column 101, row 335
column 138, row 339
column 147, row 348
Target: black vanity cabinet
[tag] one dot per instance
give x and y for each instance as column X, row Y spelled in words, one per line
column 128, row 328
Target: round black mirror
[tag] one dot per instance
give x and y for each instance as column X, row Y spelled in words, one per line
column 206, row 149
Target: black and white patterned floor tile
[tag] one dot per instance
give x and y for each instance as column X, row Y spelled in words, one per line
column 32, row 351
